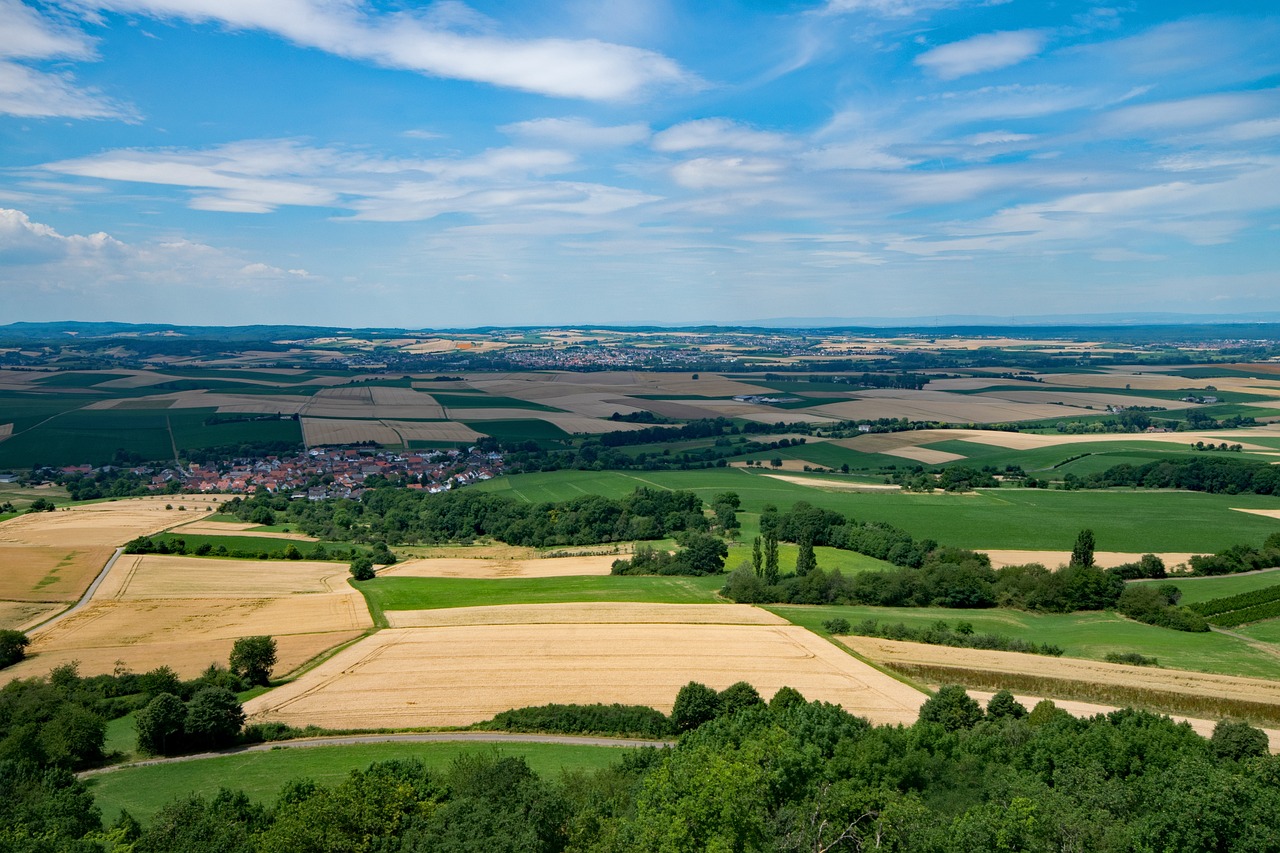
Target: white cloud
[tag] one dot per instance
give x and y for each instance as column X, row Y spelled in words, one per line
column 36, row 254
column 427, row 43
column 725, row 172
column 259, row 176
column 37, row 94
column 986, row 52
column 900, row 8
column 27, row 35
column 717, row 133
column 578, row 132
column 1206, row 110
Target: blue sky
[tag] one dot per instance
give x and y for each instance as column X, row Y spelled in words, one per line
column 449, row 164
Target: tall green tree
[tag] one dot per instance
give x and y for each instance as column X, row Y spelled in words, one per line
column 1082, row 553
column 757, row 557
column 771, row 558
column 160, row 724
column 13, row 647
column 252, row 659
column 806, row 560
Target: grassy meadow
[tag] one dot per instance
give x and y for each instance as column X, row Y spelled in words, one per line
column 143, row 790
column 1090, row 635
column 1033, row 519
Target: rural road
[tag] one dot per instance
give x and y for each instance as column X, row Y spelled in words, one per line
column 424, row 737
column 84, row 599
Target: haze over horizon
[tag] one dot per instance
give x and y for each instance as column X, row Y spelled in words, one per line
column 447, row 165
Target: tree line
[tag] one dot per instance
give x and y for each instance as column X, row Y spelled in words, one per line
column 1213, row 474
column 404, row 516
column 745, row 775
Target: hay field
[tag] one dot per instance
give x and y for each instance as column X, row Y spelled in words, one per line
column 20, row 615
column 461, row 674
column 238, row 529
column 189, row 634
column 324, row 431
column 924, row 454
column 1190, row 684
column 886, row 442
column 1267, row 513
column 586, row 613
column 1083, row 399
column 835, row 485
column 1001, row 557
column 154, row 576
column 374, row 401
column 551, row 567
column 53, row 556
column 952, row 408
column 433, row 431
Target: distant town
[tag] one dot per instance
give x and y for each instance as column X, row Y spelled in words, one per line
column 320, row 473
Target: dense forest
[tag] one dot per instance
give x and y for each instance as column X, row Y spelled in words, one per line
column 744, row 776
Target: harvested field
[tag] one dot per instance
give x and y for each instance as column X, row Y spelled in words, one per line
column 20, row 615
column 152, row 576
column 924, row 454
column 323, row 431
column 238, row 529
column 48, row 573
column 885, row 442
column 372, row 401
column 836, row 485
column 552, row 567
column 1001, row 557
column 1106, row 682
column 454, row 676
column 792, row 416
column 586, row 613
column 940, row 406
column 1268, row 513
column 437, row 431
column 1083, row 399
column 53, row 556
column 187, row 634
column 1204, row 728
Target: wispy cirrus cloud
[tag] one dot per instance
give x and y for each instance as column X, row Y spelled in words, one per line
column 717, row 133
column 260, row 176
column 441, row 46
column 578, row 132
column 27, row 36
column 986, row 52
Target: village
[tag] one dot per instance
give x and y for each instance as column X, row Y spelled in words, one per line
column 323, row 472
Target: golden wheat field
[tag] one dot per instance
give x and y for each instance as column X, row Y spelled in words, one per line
column 459, row 674
column 498, row 568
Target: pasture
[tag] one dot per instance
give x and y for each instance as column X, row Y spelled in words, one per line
column 144, row 790
column 1132, row 521
column 1089, row 635
column 460, row 673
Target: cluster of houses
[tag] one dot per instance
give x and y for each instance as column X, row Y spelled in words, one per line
column 324, row 472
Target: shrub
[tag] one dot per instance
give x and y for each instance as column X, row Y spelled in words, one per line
column 695, row 704
column 952, row 708
column 839, row 625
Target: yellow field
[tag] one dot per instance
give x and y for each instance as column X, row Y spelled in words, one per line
column 433, row 431
column 555, row 567
column 53, row 556
column 1001, row 557
column 322, row 431
column 463, row 673
column 886, row 442
column 236, row 528
column 924, row 454
column 20, row 615
column 185, row 612
column 586, row 613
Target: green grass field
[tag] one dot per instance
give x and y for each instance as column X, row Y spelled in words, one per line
column 520, row 430
column 488, row 401
column 394, row 593
column 1202, row 589
column 1122, row 520
column 1082, row 635
column 143, row 790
